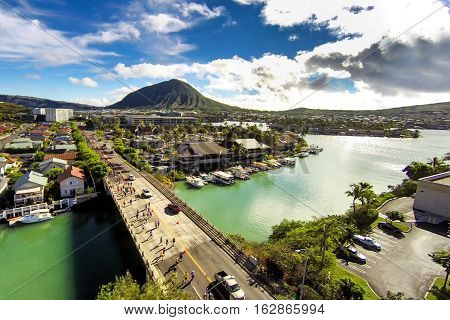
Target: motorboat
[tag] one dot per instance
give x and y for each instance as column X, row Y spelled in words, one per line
column 303, row 154
column 288, row 161
column 36, row 216
column 221, row 177
column 206, row 178
column 195, row 182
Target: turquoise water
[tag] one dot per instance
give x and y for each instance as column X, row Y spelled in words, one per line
column 315, row 186
column 66, row 258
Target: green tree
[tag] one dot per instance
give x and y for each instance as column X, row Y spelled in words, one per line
column 442, row 258
column 355, row 193
column 395, row 216
column 126, row 288
column 417, row 170
column 14, row 176
column 53, row 173
column 39, row 156
column 350, row 290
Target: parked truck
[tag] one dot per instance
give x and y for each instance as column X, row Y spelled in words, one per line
column 229, row 286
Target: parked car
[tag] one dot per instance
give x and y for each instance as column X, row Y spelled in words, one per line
column 146, row 193
column 352, row 254
column 174, row 207
column 367, row 242
column 230, row 286
column 131, row 177
column 390, row 228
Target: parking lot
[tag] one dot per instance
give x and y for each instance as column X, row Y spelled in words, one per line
column 403, row 264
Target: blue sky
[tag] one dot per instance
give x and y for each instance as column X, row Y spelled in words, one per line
column 266, row 54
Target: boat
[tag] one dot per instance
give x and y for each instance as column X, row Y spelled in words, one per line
column 36, row 216
column 261, row 166
column 303, row 154
column 288, row 161
column 195, row 182
column 241, row 173
column 223, row 178
column 314, row 149
column 206, row 178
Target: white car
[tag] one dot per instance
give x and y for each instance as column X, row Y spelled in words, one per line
column 367, row 242
column 146, row 193
column 131, row 177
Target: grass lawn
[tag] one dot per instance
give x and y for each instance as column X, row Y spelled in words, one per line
column 403, row 226
column 342, row 273
column 438, row 294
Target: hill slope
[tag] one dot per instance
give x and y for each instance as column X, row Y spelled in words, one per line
column 171, row 94
column 33, row 102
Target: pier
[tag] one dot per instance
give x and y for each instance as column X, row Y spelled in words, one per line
column 162, row 237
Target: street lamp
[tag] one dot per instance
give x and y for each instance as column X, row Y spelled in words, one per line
column 304, row 271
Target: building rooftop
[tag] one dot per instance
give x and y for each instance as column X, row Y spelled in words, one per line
column 251, row 144
column 68, row 155
column 71, row 172
column 441, row 178
column 33, row 177
column 202, row 149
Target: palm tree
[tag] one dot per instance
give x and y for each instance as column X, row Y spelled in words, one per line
column 366, row 192
column 355, row 193
column 434, row 162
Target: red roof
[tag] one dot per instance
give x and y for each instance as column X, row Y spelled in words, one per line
column 71, row 171
column 69, row 155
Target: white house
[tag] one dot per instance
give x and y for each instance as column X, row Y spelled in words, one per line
column 71, row 182
column 52, row 163
column 29, row 189
column 432, row 201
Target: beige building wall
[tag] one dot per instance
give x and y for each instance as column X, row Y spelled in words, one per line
column 433, row 198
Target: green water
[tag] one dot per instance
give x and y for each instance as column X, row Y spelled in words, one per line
column 68, row 257
column 315, row 186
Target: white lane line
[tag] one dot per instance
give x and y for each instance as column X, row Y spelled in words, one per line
column 385, row 244
column 356, row 269
column 196, row 292
column 372, row 261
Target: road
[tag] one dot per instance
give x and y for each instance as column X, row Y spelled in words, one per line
column 202, row 255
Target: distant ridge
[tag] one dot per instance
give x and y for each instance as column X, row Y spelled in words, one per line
column 434, row 107
column 172, row 94
column 32, row 102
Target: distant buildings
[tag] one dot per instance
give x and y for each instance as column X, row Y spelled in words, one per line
column 58, row 115
column 29, row 189
column 71, row 182
column 432, row 201
column 253, row 150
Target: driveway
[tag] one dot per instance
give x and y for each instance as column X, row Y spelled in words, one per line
column 404, row 205
column 402, row 265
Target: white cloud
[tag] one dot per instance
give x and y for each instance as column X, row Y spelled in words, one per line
column 32, row 41
column 113, row 96
column 293, row 37
column 110, row 33
column 164, row 23
column 189, row 8
column 87, row 82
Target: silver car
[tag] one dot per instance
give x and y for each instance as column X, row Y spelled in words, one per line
column 367, row 242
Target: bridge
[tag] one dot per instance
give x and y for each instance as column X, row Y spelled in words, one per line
column 162, row 236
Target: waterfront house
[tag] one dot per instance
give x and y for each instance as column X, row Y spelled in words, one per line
column 286, row 141
column 196, row 156
column 432, row 200
column 253, row 150
column 52, row 163
column 29, row 189
column 71, row 182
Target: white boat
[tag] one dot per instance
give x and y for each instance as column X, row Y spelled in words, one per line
column 195, row 182
column 206, row 178
column 221, row 177
column 288, row 161
column 36, row 216
column 240, row 173
column 303, row 154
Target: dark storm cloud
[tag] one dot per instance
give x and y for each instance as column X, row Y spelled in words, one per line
column 394, row 66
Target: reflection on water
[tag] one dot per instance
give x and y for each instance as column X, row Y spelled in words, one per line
column 315, row 186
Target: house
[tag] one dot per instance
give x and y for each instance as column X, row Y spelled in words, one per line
column 64, row 147
column 196, row 156
column 71, row 182
column 52, row 163
column 286, row 141
column 432, row 200
column 69, row 156
column 7, row 163
column 253, row 150
column 29, row 189
column 23, row 143
column 3, row 186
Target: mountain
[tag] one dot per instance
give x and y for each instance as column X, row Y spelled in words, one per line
column 32, row 102
column 174, row 94
column 443, row 106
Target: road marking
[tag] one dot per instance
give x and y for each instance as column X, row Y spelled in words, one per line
column 196, row 292
column 356, row 269
column 385, row 244
column 373, row 261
